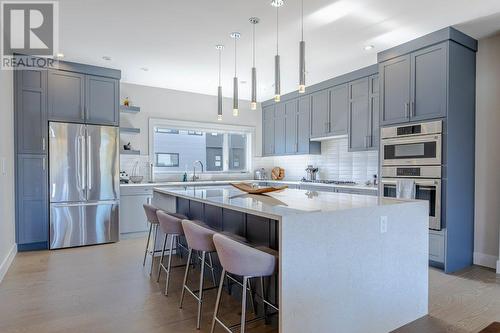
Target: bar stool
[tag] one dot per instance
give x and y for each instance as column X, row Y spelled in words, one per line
column 242, row 260
column 152, row 218
column 170, row 225
column 199, row 238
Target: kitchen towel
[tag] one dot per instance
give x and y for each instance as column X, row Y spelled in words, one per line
column 405, row 189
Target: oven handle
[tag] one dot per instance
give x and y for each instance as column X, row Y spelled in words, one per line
column 418, row 181
column 413, row 139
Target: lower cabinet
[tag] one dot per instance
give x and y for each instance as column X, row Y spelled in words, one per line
column 132, row 218
column 32, row 202
column 436, row 246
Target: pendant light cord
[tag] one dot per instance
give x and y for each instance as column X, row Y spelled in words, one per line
column 254, row 45
column 302, row 19
column 277, row 30
column 220, row 64
column 235, row 57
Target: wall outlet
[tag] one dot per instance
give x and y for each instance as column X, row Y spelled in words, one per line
column 383, row 224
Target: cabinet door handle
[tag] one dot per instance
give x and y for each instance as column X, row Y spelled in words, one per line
column 407, row 111
column 43, row 164
column 43, row 144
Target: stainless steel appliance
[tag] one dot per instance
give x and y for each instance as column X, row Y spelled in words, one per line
column 84, row 184
column 416, row 144
column 427, row 187
column 311, row 173
column 260, row 174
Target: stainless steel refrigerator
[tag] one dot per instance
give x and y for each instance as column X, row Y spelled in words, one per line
column 84, row 184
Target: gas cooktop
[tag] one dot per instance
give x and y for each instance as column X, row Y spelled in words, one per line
column 327, row 181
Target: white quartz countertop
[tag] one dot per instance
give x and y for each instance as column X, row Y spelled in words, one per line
column 225, row 182
column 276, row 204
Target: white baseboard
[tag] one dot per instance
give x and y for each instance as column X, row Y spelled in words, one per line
column 486, row 260
column 4, row 266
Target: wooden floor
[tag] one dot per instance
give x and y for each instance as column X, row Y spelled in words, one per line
column 105, row 289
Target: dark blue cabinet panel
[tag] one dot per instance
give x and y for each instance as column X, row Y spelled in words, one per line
column 304, row 126
column 279, row 129
column 291, row 127
column 32, row 199
column 31, row 111
column 339, row 107
column 429, row 71
column 320, row 113
column 268, row 130
column 66, row 94
column 374, row 112
column 359, row 115
column 101, row 100
column 395, row 90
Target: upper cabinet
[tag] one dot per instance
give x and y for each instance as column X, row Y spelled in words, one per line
column 31, row 111
column 66, row 96
column 339, row 106
column 102, row 100
column 414, row 86
column 81, row 98
column 286, row 128
column 320, row 102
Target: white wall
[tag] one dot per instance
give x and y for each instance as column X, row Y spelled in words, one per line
column 487, row 214
column 178, row 105
column 7, row 206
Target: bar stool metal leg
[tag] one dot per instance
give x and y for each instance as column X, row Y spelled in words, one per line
column 153, row 251
column 200, row 295
column 210, row 261
column 169, row 265
column 243, row 304
column 217, row 302
column 147, row 244
column 185, row 278
column 162, row 256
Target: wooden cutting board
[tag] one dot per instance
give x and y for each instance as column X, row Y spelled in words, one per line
column 248, row 188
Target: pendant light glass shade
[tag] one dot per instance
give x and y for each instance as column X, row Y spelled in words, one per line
column 253, row 103
column 302, row 55
column 235, row 36
column 219, row 88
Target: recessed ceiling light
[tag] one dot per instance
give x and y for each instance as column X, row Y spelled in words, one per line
column 60, row 55
column 145, row 69
column 369, row 47
column 277, row 3
column 107, row 58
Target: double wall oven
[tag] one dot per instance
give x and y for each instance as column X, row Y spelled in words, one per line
column 414, row 152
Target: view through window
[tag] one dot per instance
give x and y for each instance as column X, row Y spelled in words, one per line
column 176, row 150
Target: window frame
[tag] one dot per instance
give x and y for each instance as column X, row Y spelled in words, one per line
column 206, row 127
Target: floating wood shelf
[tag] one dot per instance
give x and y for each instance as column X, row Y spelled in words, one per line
column 130, row 109
column 130, row 152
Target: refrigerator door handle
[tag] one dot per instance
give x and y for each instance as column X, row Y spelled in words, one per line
column 81, row 162
column 89, row 162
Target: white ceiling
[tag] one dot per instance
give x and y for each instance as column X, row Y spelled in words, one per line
column 175, row 39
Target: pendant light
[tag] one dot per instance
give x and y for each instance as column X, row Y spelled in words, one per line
column 219, row 88
column 277, row 81
column 253, row 103
column 302, row 54
column 235, row 36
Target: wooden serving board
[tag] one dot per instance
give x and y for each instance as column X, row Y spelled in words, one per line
column 248, row 188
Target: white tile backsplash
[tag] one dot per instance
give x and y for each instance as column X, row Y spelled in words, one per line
column 335, row 162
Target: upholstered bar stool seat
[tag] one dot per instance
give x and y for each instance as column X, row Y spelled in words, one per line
column 199, row 238
column 170, row 225
column 152, row 219
column 241, row 259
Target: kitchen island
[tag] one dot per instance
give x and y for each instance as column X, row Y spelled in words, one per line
column 347, row 262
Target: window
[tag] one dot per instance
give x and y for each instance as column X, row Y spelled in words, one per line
column 167, row 160
column 177, row 145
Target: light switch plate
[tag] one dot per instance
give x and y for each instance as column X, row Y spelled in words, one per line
column 383, row 224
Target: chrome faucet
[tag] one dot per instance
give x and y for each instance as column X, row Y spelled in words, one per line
column 195, row 177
